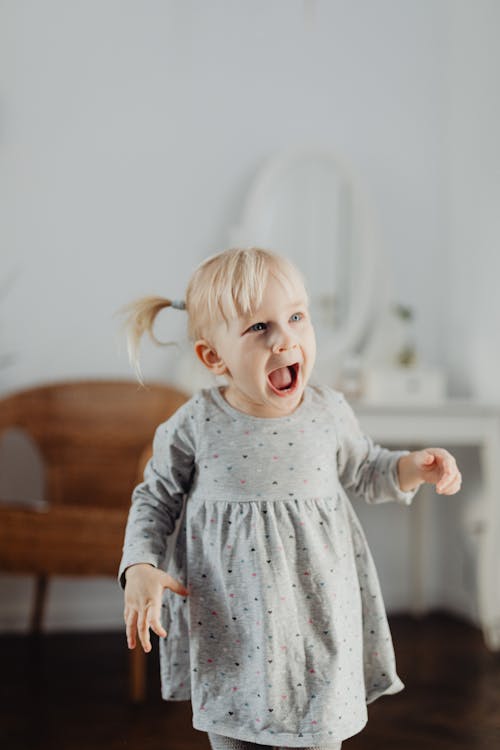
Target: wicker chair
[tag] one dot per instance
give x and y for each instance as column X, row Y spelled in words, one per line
column 94, row 438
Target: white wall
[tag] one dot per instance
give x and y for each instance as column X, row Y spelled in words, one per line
column 473, row 198
column 132, row 130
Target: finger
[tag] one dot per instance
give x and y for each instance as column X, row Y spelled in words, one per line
column 131, row 627
column 143, row 630
column 176, row 586
column 453, row 487
column 157, row 627
column 131, row 640
column 441, row 456
column 448, row 473
column 444, row 483
column 153, row 620
column 447, row 481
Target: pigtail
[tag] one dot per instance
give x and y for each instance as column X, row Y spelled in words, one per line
column 140, row 318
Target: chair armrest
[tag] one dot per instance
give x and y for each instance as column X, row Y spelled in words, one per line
column 62, row 540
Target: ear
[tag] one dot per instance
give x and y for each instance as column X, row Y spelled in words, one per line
column 210, row 358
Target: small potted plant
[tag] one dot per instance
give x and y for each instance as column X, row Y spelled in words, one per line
column 406, row 356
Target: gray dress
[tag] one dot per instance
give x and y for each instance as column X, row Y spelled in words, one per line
column 283, row 639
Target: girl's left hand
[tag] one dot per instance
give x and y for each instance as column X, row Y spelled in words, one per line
column 437, row 466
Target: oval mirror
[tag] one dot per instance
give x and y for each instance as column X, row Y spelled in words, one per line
column 309, row 206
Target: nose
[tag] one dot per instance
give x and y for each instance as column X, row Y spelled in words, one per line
column 283, row 342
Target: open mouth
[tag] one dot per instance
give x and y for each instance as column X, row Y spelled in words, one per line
column 283, row 380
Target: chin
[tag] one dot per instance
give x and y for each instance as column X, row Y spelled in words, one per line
column 289, row 401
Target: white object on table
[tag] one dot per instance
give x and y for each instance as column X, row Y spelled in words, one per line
column 403, row 385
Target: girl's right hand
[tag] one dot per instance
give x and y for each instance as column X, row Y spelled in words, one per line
column 144, row 585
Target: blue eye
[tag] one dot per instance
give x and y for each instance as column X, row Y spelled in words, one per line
column 258, row 327
column 296, row 317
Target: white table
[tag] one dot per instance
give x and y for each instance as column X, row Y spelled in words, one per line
column 453, row 423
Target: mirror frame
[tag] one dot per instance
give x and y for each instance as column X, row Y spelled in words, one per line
column 369, row 287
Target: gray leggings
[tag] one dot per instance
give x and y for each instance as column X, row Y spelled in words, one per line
column 219, row 742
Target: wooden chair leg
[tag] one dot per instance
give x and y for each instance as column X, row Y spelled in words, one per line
column 137, row 680
column 39, row 600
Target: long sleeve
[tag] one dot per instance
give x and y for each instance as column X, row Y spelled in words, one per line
column 364, row 467
column 157, row 502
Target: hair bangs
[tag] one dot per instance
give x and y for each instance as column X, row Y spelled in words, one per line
column 231, row 284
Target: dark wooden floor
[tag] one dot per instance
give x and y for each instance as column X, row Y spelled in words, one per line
column 69, row 692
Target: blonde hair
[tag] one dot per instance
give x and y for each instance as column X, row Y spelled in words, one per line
column 224, row 286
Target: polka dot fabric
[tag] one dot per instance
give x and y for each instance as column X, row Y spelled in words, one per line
column 219, row 742
column 284, row 637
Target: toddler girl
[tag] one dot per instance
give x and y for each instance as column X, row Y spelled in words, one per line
column 276, row 626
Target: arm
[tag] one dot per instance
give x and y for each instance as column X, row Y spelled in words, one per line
column 370, row 470
column 157, row 501
column 156, row 505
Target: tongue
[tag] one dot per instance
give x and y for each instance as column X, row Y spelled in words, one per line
column 280, row 378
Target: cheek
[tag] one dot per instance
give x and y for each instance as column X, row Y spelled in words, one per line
column 251, row 358
column 313, row 340
column 311, row 343
column 309, row 337
column 242, row 356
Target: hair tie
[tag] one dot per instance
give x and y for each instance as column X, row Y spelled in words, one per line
column 178, row 304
